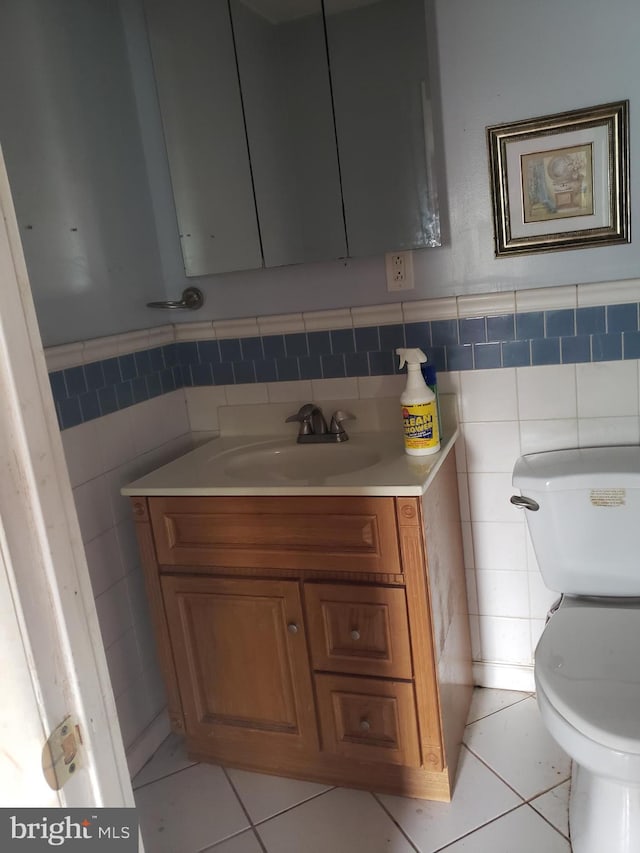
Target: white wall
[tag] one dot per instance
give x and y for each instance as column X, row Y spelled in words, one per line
column 505, row 60
column 82, row 136
column 499, row 61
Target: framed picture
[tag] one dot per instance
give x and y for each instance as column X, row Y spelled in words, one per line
column 561, row 181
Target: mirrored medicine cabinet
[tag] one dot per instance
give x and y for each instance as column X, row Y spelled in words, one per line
column 296, row 130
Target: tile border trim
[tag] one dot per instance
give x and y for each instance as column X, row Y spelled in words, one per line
column 94, row 378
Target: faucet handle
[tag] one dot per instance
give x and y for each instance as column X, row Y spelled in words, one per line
column 303, row 413
column 303, row 417
column 336, row 421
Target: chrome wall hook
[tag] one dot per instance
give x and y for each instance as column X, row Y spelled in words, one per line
column 192, row 299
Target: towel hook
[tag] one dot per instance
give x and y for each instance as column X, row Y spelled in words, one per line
column 192, row 299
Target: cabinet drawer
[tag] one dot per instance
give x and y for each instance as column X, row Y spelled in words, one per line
column 368, row 720
column 358, row 629
column 350, row 534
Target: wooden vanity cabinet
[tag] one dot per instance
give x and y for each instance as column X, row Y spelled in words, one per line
column 322, row 638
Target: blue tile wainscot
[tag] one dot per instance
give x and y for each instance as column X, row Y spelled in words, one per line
column 559, row 336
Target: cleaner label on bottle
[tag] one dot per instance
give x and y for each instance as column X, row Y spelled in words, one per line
column 420, row 423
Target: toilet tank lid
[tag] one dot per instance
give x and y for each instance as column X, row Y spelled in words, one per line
column 579, row 468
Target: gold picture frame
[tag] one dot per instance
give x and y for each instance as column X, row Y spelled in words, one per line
column 561, row 181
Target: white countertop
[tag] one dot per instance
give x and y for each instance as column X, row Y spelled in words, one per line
column 218, row 468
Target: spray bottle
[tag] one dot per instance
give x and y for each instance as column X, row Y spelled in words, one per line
column 419, row 408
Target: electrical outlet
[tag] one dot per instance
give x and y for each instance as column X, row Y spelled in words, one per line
column 399, row 267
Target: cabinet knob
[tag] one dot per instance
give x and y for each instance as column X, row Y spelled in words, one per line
column 365, row 725
column 355, row 634
column 292, row 628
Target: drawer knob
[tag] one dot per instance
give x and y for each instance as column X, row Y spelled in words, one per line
column 365, row 725
column 292, row 628
column 355, row 634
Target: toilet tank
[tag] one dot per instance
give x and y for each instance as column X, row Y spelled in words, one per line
column 586, row 533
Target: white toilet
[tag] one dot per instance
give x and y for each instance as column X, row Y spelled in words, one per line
column 583, row 513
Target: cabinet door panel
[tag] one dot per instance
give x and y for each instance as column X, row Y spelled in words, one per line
column 199, row 93
column 384, row 128
column 286, row 95
column 241, row 659
column 358, row 629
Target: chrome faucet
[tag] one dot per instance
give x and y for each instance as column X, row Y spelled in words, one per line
column 313, row 426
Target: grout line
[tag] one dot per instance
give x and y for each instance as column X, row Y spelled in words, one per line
column 213, row 847
column 552, row 825
column 544, row 817
column 493, row 820
column 238, row 797
column 394, row 821
column 295, row 805
column 477, row 828
column 495, row 773
column 166, row 776
column 259, row 839
column 277, row 814
column 503, row 708
column 548, row 790
column 525, row 800
column 546, row 820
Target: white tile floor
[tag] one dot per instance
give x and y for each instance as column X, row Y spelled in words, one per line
column 511, row 794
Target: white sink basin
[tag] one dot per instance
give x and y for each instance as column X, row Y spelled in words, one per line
column 280, row 462
column 371, row 463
